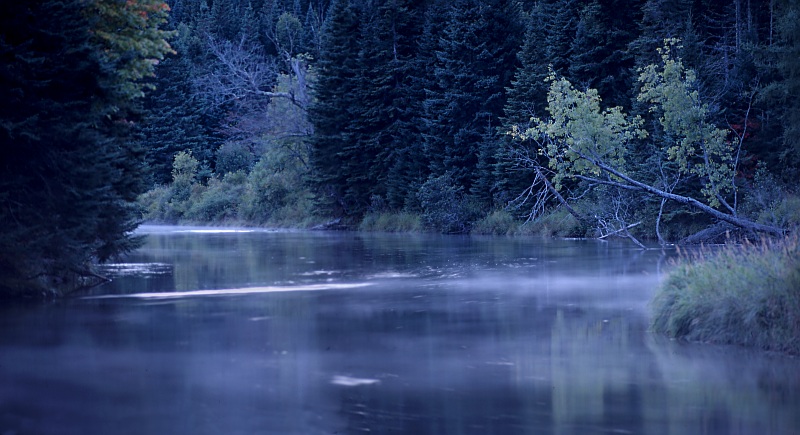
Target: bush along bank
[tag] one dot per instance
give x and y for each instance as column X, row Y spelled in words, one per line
column 745, row 295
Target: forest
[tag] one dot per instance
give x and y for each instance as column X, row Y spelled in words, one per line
column 430, row 115
column 667, row 120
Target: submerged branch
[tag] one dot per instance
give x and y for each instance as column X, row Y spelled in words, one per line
column 621, row 230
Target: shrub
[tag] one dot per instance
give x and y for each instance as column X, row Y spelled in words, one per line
column 184, row 176
column 219, row 201
column 394, row 222
column 268, row 190
column 557, row 222
column 296, row 214
column 769, row 202
column 155, row 204
column 444, row 206
column 233, row 157
column 498, row 223
column 747, row 295
column 276, row 192
column 784, row 213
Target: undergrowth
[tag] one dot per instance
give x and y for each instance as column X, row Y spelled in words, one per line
column 393, row 222
column 741, row 294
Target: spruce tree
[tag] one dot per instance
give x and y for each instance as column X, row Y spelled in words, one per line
column 70, row 170
column 333, row 151
column 387, row 128
column 476, row 59
column 527, row 98
column 174, row 117
column 563, row 16
column 782, row 95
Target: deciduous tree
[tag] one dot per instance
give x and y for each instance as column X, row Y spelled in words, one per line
column 584, row 141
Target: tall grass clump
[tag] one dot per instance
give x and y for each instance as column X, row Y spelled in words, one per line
column 392, row 222
column 746, row 295
column 497, row 223
column 556, row 223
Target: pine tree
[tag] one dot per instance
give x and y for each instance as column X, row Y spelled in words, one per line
column 476, row 59
column 527, row 98
column 333, row 150
column 70, row 169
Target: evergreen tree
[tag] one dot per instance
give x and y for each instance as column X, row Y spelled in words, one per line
column 333, row 150
column 476, row 59
column 527, row 95
column 175, row 118
column 563, row 16
column 429, row 88
column 782, row 95
column 406, row 165
column 387, row 127
column 599, row 57
column 527, row 98
column 69, row 76
column 226, row 19
column 663, row 19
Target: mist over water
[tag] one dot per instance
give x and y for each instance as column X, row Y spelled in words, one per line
column 245, row 332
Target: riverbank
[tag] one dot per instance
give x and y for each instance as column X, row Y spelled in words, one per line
column 555, row 224
column 745, row 295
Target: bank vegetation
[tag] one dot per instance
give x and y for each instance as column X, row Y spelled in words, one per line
column 743, row 294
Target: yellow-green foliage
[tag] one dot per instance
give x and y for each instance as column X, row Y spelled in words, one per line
column 699, row 148
column 746, row 295
column 580, row 132
column 132, row 40
column 581, row 139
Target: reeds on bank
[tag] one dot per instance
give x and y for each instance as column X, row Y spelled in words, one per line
column 745, row 294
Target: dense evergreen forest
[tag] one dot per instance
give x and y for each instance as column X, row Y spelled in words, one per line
column 374, row 111
column 649, row 119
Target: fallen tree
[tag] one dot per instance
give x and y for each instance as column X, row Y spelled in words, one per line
column 582, row 142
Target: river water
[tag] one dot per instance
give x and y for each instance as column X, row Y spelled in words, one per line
column 208, row 331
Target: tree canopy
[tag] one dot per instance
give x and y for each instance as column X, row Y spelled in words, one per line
column 288, row 111
column 581, row 140
column 70, row 75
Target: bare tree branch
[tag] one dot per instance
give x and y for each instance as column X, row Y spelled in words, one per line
column 242, row 72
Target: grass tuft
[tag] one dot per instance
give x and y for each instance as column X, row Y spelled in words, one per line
column 497, row 223
column 745, row 294
column 392, row 222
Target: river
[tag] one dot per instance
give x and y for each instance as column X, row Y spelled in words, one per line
column 224, row 331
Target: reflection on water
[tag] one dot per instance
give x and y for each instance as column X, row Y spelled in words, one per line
column 311, row 333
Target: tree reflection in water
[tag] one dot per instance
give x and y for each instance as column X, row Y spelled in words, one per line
column 452, row 335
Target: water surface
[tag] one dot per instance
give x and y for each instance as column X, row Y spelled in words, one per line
column 259, row 332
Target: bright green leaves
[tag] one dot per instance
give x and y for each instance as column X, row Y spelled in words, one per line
column 697, row 147
column 131, row 40
column 580, row 134
column 581, row 139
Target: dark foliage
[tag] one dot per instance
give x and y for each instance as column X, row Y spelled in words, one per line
column 70, row 169
column 404, row 91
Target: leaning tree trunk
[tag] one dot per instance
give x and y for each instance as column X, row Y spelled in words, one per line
column 725, row 217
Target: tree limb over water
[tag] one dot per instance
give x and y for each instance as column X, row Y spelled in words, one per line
column 581, row 142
